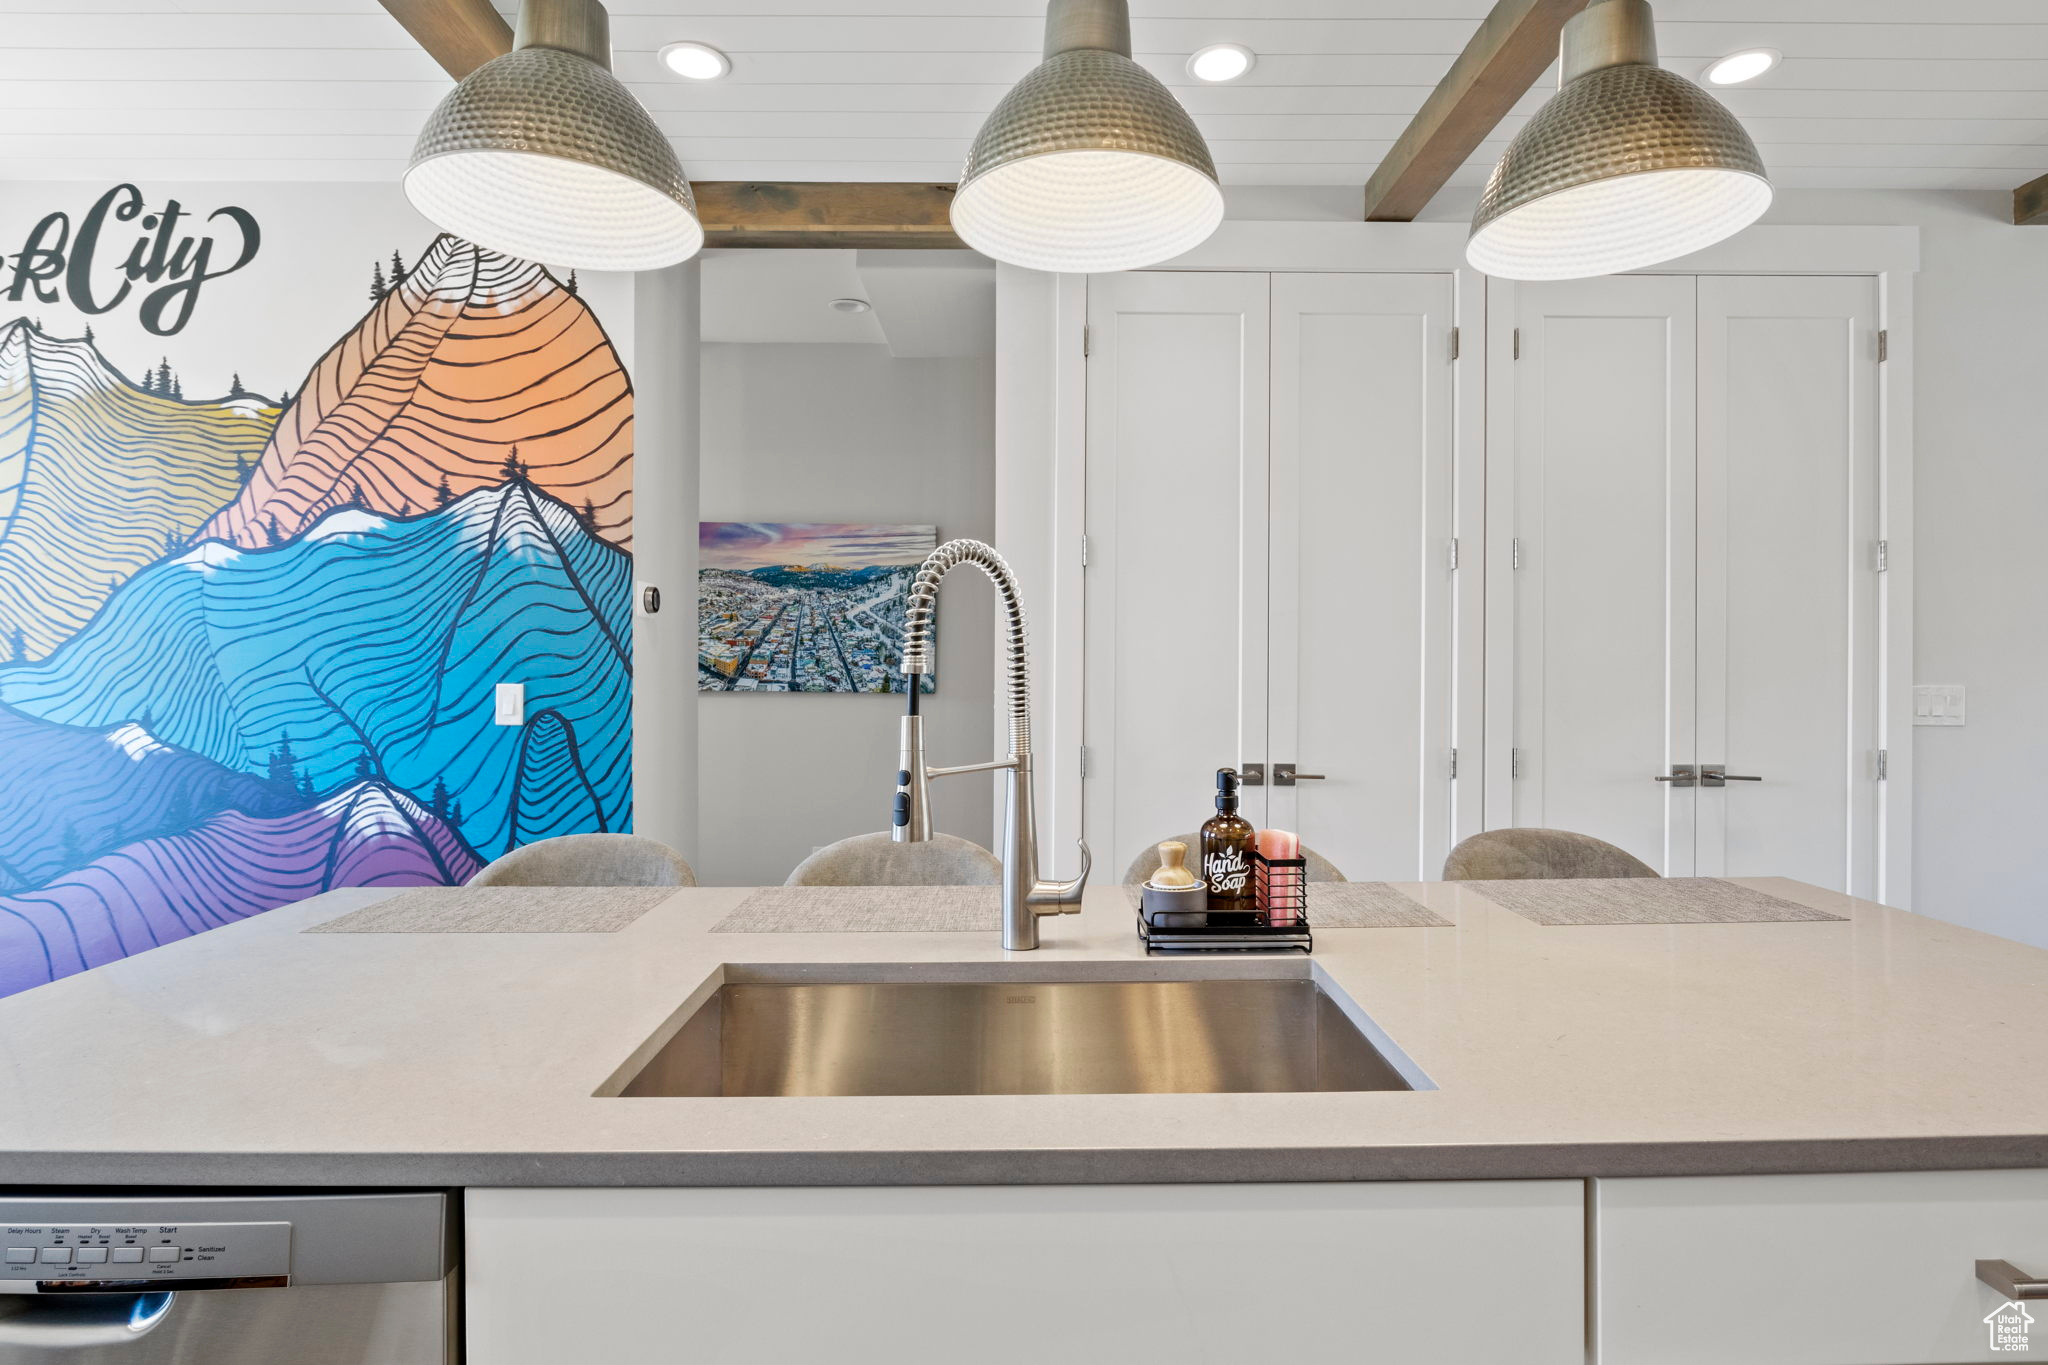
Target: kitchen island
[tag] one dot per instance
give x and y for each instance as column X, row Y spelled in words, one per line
column 1596, row 1086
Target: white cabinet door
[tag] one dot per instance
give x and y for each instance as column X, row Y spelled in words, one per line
column 1689, row 513
column 1811, row 1269
column 1363, row 489
column 1788, row 507
column 1176, row 597
column 1591, row 478
column 1449, row 1273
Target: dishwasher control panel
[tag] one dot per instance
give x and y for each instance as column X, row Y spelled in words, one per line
column 58, row 1258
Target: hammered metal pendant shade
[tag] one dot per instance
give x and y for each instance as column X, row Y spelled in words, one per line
column 543, row 154
column 1088, row 164
column 1627, row 166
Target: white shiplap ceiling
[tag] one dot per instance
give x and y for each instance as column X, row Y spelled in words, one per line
column 1872, row 93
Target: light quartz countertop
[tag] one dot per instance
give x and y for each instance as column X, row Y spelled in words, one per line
column 260, row 1055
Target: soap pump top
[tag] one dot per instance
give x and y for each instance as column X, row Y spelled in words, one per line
column 1226, row 790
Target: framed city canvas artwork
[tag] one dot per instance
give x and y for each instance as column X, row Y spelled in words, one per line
column 804, row 606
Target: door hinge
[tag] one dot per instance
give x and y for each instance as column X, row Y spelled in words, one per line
column 1084, row 552
column 1884, row 345
column 1515, row 764
column 1515, row 553
column 1884, row 765
column 1454, row 553
column 1087, row 341
column 1518, row 343
column 1454, row 343
column 1454, row 765
column 1884, row 556
column 1084, row 760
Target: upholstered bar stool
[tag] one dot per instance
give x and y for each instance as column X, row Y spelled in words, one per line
column 589, row 860
column 1539, row 854
column 878, row 860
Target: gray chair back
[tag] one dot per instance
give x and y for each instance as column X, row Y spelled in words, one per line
column 1539, row 854
column 1320, row 869
column 878, row 860
column 589, row 860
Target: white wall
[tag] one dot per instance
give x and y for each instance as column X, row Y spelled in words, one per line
column 797, row 432
column 665, row 490
column 1980, row 810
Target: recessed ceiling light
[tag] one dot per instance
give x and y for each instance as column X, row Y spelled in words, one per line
column 851, row 305
column 1221, row 62
column 1737, row 67
column 695, row 61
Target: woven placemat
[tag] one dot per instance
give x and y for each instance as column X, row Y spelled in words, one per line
column 866, row 910
column 502, row 910
column 1643, row 900
column 1356, row 905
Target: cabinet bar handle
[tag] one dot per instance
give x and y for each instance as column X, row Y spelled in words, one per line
column 2007, row 1280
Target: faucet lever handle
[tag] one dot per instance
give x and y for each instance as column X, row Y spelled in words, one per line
column 1064, row 898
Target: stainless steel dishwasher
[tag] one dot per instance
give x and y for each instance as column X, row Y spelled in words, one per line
column 229, row 1279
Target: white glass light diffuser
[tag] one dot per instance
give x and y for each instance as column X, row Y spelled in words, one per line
column 542, row 154
column 1627, row 166
column 1737, row 67
column 1221, row 62
column 1089, row 164
column 695, row 61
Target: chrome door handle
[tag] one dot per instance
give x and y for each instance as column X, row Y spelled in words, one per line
column 1717, row 775
column 2007, row 1280
column 1681, row 775
column 1284, row 775
column 1251, row 774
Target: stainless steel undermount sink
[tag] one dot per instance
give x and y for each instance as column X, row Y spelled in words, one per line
column 963, row 1031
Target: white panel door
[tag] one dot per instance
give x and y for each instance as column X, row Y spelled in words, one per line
column 1176, row 597
column 1594, row 527
column 1788, row 649
column 1362, row 486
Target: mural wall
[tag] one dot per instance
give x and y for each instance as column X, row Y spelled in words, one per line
column 248, row 642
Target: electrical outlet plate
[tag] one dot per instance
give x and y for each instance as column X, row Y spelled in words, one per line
column 510, row 704
column 1937, row 704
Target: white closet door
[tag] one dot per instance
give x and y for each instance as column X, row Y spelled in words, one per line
column 1176, row 597
column 1788, row 650
column 1362, row 516
column 1597, row 544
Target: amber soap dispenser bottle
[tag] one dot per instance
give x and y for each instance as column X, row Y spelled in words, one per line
column 1227, row 852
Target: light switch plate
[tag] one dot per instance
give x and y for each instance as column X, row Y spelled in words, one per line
column 1937, row 703
column 511, row 704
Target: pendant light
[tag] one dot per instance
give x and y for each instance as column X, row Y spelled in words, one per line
column 1627, row 166
column 1088, row 164
column 543, row 154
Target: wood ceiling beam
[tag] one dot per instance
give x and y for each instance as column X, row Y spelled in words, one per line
column 2030, row 203
column 1515, row 44
column 459, row 34
column 860, row 214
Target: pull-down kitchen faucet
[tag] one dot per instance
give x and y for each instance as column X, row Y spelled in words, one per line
column 1025, row 897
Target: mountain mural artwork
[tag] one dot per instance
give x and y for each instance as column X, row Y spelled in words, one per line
column 247, row 645
column 805, row 606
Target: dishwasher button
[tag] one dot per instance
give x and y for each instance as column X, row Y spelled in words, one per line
column 127, row 1255
column 163, row 1254
column 92, row 1255
column 20, row 1255
column 56, row 1255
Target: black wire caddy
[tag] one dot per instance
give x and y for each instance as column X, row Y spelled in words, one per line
column 1279, row 924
